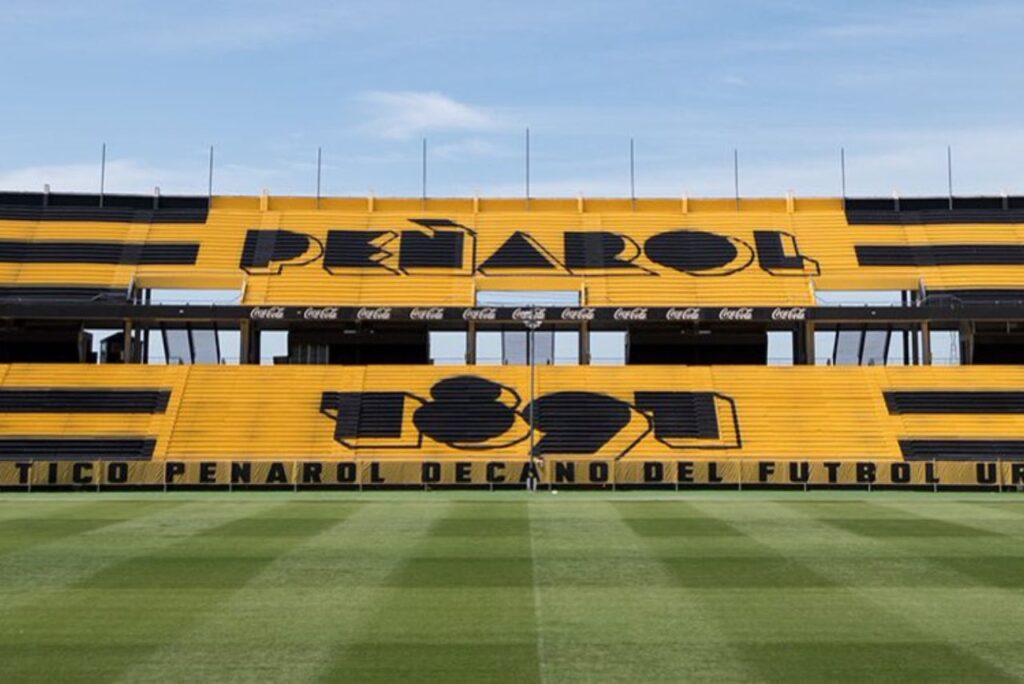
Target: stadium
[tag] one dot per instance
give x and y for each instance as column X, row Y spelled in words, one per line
column 652, row 361
column 500, row 343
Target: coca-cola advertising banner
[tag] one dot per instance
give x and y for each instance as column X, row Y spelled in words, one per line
column 531, row 314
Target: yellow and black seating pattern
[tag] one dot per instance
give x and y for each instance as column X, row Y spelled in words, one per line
column 422, row 412
column 399, row 252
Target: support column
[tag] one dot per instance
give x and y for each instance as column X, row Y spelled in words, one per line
column 905, row 300
column 807, row 332
column 917, row 336
column 584, row 344
column 244, row 341
column 129, row 343
column 471, row 343
column 254, row 345
column 967, row 343
column 926, row 344
column 147, row 300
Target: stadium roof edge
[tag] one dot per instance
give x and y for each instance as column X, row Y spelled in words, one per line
column 869, row 209
column 514, row 204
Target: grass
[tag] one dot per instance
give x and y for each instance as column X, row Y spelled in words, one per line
column 479, row 586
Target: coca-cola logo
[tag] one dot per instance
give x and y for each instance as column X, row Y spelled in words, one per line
column 740, row 314
column 797, row 313
column 584, row 314
column 435, row 313
column 485, row 314
column 267, row 313
column 320, row 313
column 381, row 313
column 534, row 313
column 691, row 313
column 634, row 314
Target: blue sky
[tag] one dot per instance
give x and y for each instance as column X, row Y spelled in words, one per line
column 787, row 83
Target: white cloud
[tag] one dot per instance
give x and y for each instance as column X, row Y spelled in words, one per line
column 930, row 22
column 904, row 24
column 185, row 27
column 402, row 115
column 242, row 31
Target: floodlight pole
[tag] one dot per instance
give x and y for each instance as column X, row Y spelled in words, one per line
column 632, row 173
column 527, row 167
column 736, row 176
column 949, row 174
column 532, row 351
column 319, row 158
column 842, row 171
column 424, row 173
column 209, row 177
column 103, row 171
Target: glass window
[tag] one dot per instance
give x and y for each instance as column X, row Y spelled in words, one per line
column 608, row 347
column 859, row 297
column 876, row 348
column 205, row 344
column 543, row 347
column 528, row 298
column 273, row 344
column 945, row 347
column 848, row 348
column 193, row 296
column 177, row 348
column 447, row 347
column 513, row 348
column 488, row 348
column 780, row 348
column 567, row 347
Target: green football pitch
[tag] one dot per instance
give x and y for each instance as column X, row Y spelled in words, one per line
column 478, row 586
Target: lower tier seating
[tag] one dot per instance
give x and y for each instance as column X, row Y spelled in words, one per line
column 683, row 418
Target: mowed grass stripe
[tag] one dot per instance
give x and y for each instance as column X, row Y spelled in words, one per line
column 43, row 567
column 538, row 600
column 612, row 609
column 96, row 628
column 284, row 624
column 860, row 629
column 921, row 518
column 741, row 585
column 984, row 612
column 706, row 552
column 40, row 524
column 22, row 505
column 928, row 544
column 460, row 586
column 1005, row 505
column 459, row 608
column 977, row 545
column 975, row 518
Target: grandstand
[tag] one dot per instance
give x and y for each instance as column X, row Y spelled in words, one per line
column 164, row 341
